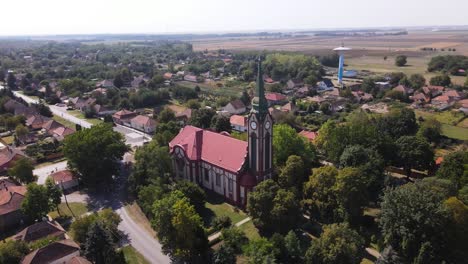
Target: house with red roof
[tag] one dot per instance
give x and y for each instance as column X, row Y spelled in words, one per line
column 11, row 197
column 143, row 123
column 442, row 102
column 184, row 116
column 41, row 230
column 123, row 117
column 275, row 99
column 238, row 123
column 62, row 251
column 8, row 156
column 64, row 179
column 225, row 165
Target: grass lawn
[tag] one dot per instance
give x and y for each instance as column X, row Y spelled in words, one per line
column 64, row 122
column 455, row 132
column 216, row 207
column 80, row 115
column 77, row 208
column 132, row 256
column 9, row 140
column 250, row 230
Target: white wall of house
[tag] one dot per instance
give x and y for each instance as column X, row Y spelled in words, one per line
column 239, row 128
column 145, row 128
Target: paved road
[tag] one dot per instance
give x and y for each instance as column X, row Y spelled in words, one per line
column 45, row 171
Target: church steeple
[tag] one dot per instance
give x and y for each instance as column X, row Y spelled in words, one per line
column 259, row 102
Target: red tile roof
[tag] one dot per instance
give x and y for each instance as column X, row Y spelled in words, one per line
column 237, row 104
column 237, row 120
column 63, row 131
column 310, row 135
column 40, row 230
column 11, row 196
column 220, row 150
column 275, row 97
column 62, row 176
column 143, row 120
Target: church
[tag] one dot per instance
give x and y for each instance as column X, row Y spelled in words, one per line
column 225, row 165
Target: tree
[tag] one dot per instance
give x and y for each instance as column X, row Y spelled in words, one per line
column 234, row 238
column 202, row 118
column 368, row 85
column 99, row 247
column 293, row 174
column 441, row 80
column 287, row 142
column 319, row 197
column 224, row 255
column 400, row 60
column 457, row 229
column 408, row 206
column 272, row 208
column 107, row 218
column 44, row 110
column 22, row 171
column 397, row 123
column 180, row 228
column 95, row 153
column 466, row 81
column 36, row 202
column 152, row 164
column 417, row 81
column 166, row 115
column 11, row 81
column 12, row 251
column 413, row 153
column 21, row 131
column 293, row 247
column 245, row 98
column 260, row 251
column 193, row 104
column 431, row 130
column 455, row 168
column 118, row 82
column 221, row 123
column 54, row 193
column 337, row 244
column 193, row 192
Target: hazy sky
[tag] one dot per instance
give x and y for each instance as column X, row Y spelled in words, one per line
column 22, row 17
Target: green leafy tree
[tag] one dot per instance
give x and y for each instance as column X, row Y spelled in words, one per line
column 455, row 168
column 260, row 251
column 293, row 248
column 287, row 142
column 234, row 238
column 11, row 81
column 118, row 82
column 457, row 229
column 401, row 60
column 463, row 194
column 431, row 130
column 293, row 174
column 319, row 197
column 12, row 251
column 224, row 255
column 397, row 123
column 36, row 202
column 21, row 131
column 180, row 228
column 54, row 193
column 22, row 171
column 152, row 163
column 337, row 244
column 106, row 217
column 441, row 80
column 272, row 208
column 193, row 192
column 245, row 98
column 99, row 247
column 414, row 153
column 202, row 118
column 413, row 205
column 221, row 123
column 95, row 153
column 417, row 81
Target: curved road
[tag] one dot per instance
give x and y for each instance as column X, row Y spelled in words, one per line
column 141, row 240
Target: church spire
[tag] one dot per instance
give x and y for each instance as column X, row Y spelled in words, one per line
column 259, row 102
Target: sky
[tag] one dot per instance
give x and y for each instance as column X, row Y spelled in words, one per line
column 42, row 17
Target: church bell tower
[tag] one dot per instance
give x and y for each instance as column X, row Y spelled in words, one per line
column 260, row 131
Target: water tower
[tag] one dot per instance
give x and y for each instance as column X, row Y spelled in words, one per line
column 341, row 51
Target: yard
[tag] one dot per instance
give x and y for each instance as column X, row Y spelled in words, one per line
column 132, row 256
column 80, row 115
column 78, row 209
column 216, row 207
column 64, row 122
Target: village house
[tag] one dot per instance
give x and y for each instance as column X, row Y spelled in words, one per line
column 36, row 121
column 293, row 83
column 302, row 92
column 57, row 252
column 268, row 80
column 275, row 99
column 61, row 132
column 361, row 96
column 123, row 117
column 167, row 76
column 11, row 197
column 235, row 107
column 289, row 108
column 238, row 123
column 184, row 116
column 432, row 90
column 442, row 102
column 105, row 84
column 325, row 85
column 8, row 156
column 41, row 230
column 64, row 179
column 101, row 110
column 138, row 81
column 234, row 169
column 143, row 123
column 463, row 106
column 420, row 98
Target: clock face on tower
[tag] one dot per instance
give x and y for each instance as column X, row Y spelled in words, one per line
column 267, row 125
column 253, row 125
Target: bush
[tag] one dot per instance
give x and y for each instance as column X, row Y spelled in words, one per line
column 401, row 60
column 221, row 222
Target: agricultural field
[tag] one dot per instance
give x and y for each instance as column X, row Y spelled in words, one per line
column 454, row 124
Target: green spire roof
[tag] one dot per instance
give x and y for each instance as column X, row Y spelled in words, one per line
column 259, row 102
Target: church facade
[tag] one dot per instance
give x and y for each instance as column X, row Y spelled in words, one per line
column 225, row 165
